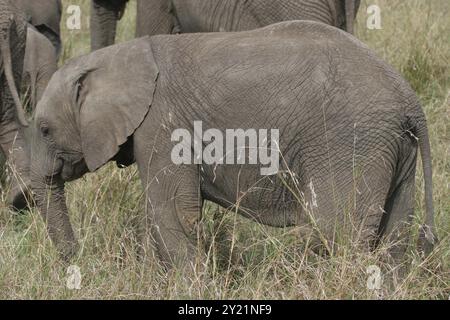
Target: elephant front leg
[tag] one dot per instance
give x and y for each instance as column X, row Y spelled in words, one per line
column 173, row 210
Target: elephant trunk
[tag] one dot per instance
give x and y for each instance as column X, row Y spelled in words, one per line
column 7, row 67
column 104, row 17
column 50, row 199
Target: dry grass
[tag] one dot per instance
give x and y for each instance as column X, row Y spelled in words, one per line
column 269, row 263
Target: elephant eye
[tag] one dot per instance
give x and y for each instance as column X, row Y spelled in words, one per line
column 45, row 131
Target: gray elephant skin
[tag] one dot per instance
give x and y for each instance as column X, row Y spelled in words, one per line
column 45, row 16
column 347, row 122
column 39, row 65
column 12, row 115
column 43, row 37
column 186, row 16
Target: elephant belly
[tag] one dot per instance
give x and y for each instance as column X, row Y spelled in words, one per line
column 241, row 15
column 213, row 16
column 242, row 189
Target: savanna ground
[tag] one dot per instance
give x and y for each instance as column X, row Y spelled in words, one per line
column 267, row 263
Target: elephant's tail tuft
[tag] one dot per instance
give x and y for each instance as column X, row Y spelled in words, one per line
column 427, row 238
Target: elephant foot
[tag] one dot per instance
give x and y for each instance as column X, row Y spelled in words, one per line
column 68, row 251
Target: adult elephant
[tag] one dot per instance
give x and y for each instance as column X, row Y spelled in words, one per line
column 13, row 32
column 45, row 16
column 349, row 128
column 174, row 16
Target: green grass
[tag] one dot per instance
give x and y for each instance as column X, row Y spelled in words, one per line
column 266, row 263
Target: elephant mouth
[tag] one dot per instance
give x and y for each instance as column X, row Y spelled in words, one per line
column 73, row 170
column 68, row 168
column 57, row 167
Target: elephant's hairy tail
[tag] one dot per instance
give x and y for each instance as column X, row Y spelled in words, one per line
column 427, row 237
column 7, row 67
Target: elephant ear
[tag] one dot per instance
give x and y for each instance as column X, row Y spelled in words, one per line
column 114, row 97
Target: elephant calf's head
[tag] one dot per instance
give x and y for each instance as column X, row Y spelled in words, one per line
column 90, row 108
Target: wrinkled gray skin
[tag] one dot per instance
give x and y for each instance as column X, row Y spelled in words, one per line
column 39, row 65
column 346, row 122
column 12, row 115
column 185, row 16
column 45, row 16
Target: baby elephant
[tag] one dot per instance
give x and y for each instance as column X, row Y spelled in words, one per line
column 40, row 63
column 297, row 123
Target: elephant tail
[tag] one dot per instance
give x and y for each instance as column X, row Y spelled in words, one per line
column 351, row 8
column 5, row 49
column 427, row 237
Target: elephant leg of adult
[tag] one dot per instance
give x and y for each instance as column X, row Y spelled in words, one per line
column 173, row 208
column 103, row 23
column 13, row 147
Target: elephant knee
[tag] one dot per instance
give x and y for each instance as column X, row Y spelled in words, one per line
column 189, row 217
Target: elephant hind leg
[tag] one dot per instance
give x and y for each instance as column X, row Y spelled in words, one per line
column 343, row 211
column 400, row 206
